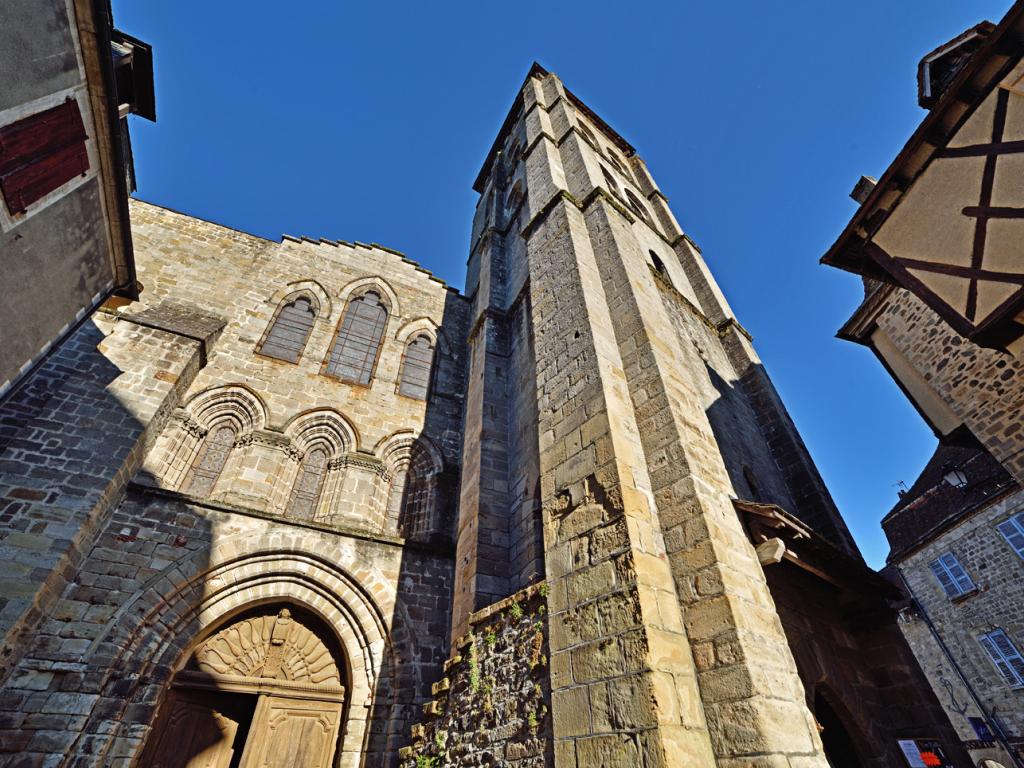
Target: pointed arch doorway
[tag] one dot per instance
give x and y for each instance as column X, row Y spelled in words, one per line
column 265, row 691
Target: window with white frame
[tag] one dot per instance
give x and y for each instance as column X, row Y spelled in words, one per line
column 951, row 575
column 1013, row 532
column 1005, row 657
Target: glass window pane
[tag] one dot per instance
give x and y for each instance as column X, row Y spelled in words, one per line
column 415, row 378
column 290, row 330
column 308, row 484
column 355, row 348
column 209, row 462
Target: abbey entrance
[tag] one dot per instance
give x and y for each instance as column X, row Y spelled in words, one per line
column 262, row 692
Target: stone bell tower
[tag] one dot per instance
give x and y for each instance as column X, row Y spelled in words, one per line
column 615, row 408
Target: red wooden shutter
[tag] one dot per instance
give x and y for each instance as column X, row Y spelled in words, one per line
column 41, row 152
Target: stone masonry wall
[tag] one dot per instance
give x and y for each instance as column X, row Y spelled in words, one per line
column 70, row 439
column 161, row 576
column 983, row 387
column 998, row 574
column 492, row 707
column 112, row 594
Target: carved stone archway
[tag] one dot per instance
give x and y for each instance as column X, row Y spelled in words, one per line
column 265, row 691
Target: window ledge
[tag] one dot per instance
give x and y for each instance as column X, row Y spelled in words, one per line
column 963, row 596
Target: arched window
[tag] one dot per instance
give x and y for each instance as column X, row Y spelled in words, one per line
column 638, row 208
column 659, row 267
column 415, row 377
column 308, row 484
column 289, row 329
column 415, row 518
column 357, row 342
column 515, row 196
column 209, row 461
column 619, row 164
column 585, row 130
column 613, row 186
column 411, row 496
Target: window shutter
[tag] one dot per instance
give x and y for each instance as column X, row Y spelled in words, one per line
column 957, row 573
column 41, row 152
column 1013, row 531
column 1004, row 656
column 943, row 577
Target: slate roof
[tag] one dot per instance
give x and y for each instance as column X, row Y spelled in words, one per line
column 932, row 505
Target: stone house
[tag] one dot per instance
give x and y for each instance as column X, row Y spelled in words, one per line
column 937, row 241
column 65, row 170
column 303, row 504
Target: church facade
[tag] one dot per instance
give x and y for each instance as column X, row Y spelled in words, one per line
column 303, row 504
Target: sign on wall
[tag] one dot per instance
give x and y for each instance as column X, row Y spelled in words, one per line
column 923, row 753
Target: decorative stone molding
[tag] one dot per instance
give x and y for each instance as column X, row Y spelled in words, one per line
column 233, row 402
column 378, row 284
column 322, row 425
column 278, row 647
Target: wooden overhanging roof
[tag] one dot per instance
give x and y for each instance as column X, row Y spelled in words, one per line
column 986, row 68
column 810, row 551
column 513, row 114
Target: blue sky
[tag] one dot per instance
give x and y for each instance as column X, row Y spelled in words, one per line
column 369, row 121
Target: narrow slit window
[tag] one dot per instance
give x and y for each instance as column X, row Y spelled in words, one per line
column 209, row 462
column 585, row 130
column 613, row 185
column 308, row 485
column 415, row 378
column 289, row 330
column 357, row 343
column 954, row 580
column 659, row 265
column 638, row 207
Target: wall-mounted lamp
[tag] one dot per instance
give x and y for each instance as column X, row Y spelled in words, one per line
column 954, row 476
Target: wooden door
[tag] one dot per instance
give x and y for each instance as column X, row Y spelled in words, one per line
column 193, row 732
column 292, row 733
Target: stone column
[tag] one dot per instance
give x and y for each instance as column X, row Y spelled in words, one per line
column 482, row 534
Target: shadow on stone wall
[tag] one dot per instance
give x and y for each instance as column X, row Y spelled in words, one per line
column 420, row 625
column 839, row 622
column 70, row 438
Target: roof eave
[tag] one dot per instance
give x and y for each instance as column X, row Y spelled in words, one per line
column 978, row 77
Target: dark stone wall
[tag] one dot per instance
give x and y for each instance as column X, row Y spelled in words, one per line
column 851, row 654
column 492, row 708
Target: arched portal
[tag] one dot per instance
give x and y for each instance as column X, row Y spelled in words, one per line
column 264, row 691
column 838, row 743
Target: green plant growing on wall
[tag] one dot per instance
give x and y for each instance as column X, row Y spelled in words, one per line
column 422, row 761
column 536, row 646
column 440, row 739
column 474, row 665
column 531, row 721
column 516, row 611
column 544, row 589
column 491, row 638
